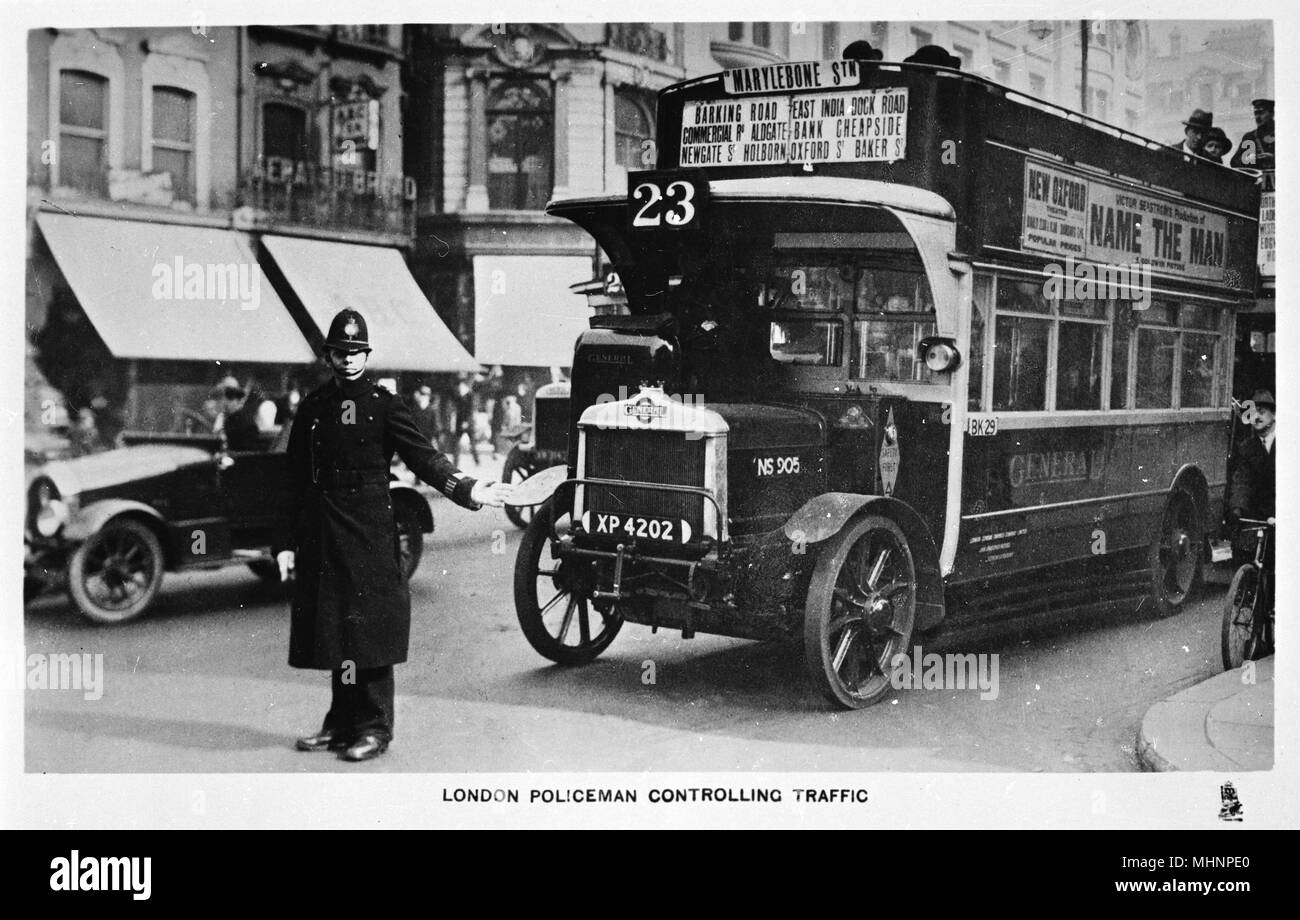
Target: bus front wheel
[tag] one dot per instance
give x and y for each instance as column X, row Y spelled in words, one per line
column 860, row 610
column 1176, row 555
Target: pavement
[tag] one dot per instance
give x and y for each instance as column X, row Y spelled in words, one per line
column 1224, row 724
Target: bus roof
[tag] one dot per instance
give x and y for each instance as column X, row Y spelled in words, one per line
column 1022, row 175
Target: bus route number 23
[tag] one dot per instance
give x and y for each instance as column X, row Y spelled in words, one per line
column 665, row 203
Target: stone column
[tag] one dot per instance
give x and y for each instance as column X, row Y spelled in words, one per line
column 476, row 196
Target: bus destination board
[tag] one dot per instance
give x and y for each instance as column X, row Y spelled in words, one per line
column 861, row 126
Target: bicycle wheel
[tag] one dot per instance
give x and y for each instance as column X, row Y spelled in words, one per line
column 1240, row 638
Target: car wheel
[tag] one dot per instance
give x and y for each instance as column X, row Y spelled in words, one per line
column 860, row 610
column 518, row 467
column 115, row 575
column 410, row 544
column 551, row 601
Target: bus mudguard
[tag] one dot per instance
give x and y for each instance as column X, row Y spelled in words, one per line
column 826, row 515
column 1191, row 480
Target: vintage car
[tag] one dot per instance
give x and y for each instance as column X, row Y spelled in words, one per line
column 543, row 444
column 108, row 525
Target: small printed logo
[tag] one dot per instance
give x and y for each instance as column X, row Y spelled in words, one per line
column 208, row 281
column 933, row 671
column 643, row 410
column 103, row 873
column 1230, row 808
column 58, row 671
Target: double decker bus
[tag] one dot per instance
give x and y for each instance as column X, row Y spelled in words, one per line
column 903, row 347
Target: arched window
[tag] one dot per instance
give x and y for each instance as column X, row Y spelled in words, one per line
column 83, row 130
column 521, row 139
column 633, row 126
column 174, row 121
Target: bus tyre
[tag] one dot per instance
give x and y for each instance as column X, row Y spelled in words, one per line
column 860, row 610
column 518, row 467
column 558, row 618
column 1176, row 555
column 115, row 575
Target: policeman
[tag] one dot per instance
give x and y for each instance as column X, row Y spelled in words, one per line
column 351, row 609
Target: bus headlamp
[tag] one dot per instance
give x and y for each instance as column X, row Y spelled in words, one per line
column 941, row 354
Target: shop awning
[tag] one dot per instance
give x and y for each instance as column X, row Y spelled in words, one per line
column 524, row 311
column 405, row 331
column 171, row 292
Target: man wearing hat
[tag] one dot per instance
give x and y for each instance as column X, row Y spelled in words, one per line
column 1251, row 494
column 935, row 56
column 236, row 422
column 1256, row 148
column 1195, row 128
column 351, row 612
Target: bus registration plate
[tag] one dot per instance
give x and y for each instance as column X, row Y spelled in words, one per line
column 636, row 527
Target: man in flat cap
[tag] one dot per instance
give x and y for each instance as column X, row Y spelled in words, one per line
column 351, row 611
column 1256, row 148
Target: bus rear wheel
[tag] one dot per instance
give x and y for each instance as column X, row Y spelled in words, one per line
column 860, row 611
column 1176, row 555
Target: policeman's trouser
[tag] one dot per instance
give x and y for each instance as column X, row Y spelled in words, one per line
column 364, row 705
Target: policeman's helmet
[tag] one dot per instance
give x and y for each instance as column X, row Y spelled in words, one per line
column 348, row 332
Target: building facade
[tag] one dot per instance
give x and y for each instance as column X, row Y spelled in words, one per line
column 176, row 164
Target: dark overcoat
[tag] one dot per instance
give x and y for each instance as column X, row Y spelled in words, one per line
column 350, row 603
column 1251, row 493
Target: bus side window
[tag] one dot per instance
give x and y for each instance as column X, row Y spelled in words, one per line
column 1122, row 335
column 982, row 297
column 1080, row 340
column 1156, row 348
column 1020, row 346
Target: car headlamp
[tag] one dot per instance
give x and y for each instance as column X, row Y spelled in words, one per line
column 46, row 510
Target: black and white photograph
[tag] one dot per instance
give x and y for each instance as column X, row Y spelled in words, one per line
column 798, row 422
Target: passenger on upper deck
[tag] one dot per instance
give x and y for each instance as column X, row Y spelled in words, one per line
column 1216, row 145
column 1196, row 127
column 1256, row 148
column 933, row 55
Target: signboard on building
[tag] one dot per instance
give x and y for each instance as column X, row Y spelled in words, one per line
column 1267, row 231
column 867, row 125
column 1066, row 214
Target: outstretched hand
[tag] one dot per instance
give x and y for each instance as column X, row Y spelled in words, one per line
column 285, row 560
column 490, row 492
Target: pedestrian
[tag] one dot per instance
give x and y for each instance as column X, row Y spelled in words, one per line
column 1195, row 128
column 84, row 436
column 466, row 406
column 1252, row 488
column 351, row 610
column 425, row 415
column 1216, row 145
column 935, row 56
column 1256, row 150
column 238, row 420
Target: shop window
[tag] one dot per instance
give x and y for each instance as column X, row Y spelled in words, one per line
column 173, row 138
column 83, row 130
column 633, row 126
column 284, row 141
column 521, row 139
